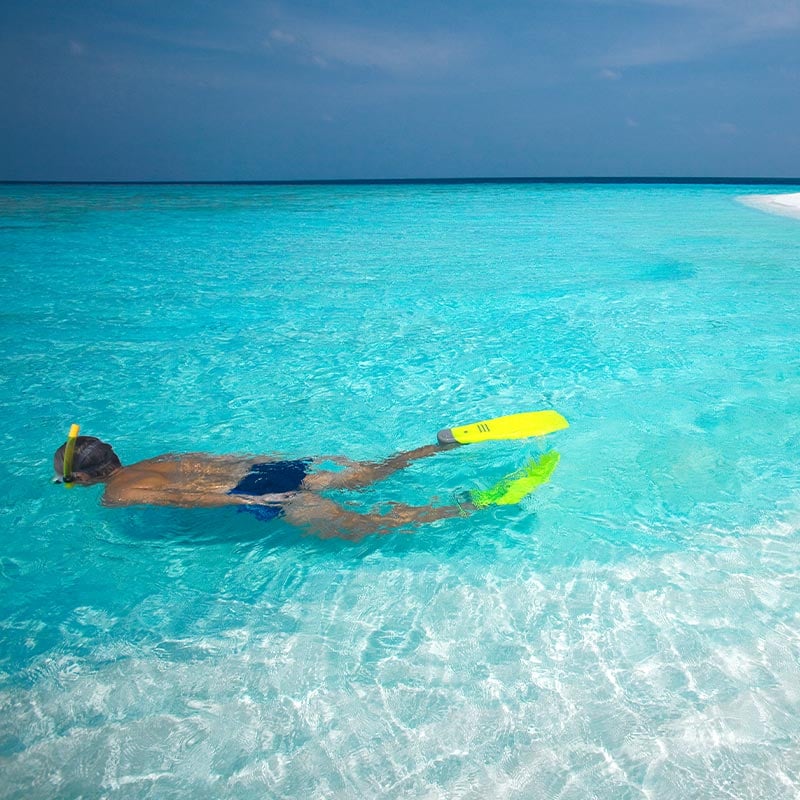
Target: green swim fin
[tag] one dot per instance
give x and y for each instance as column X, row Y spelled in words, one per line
column 519, row 484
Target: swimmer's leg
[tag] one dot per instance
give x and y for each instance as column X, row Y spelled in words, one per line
column 327, row 519
column 363, row 473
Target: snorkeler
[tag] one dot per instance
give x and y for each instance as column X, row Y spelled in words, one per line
column 269, row 487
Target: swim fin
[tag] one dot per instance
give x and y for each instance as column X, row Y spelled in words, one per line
column 519, row 484
column 512, row 426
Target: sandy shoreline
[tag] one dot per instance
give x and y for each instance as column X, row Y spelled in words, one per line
column 788, row 205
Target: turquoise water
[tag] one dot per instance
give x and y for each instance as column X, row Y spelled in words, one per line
column 632, row 630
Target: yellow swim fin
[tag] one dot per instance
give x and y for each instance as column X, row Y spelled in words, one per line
column 518, row 485
column 513, row 426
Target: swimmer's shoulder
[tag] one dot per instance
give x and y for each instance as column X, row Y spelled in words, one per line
column 127, row 483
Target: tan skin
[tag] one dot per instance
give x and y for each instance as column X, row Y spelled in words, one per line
column 198, row 480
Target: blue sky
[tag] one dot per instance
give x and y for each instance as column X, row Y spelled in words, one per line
column 250, row 90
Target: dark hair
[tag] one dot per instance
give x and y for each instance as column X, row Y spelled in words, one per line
column 93, row 457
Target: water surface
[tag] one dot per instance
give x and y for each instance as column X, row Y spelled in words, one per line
column 632, row 630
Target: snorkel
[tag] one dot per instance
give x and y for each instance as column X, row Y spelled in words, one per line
column 69, row 452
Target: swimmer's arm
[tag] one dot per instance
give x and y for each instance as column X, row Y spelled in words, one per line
column 180, row 498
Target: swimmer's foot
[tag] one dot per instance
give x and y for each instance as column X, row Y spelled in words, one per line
column 519, row 484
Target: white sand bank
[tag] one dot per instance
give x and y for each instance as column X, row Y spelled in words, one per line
column 787, row 205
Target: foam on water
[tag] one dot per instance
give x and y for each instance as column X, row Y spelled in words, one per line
column 632, row 630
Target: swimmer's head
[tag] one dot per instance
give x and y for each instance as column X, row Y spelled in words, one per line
column 92, row 462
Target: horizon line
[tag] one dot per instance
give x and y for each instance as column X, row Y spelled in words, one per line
column 599, row 179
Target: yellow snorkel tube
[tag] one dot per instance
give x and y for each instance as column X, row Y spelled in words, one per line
column 69, row 452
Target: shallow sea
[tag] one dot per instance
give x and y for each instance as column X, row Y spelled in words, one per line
column 631, row 630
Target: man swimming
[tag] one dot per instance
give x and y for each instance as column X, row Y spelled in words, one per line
column 270, row 487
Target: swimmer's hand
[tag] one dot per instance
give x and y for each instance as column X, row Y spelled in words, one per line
column 266, row 499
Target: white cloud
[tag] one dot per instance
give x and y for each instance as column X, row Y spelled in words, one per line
column 212, row 42
column 699, row 28
column 76, row 48
column 779, row 12
column 330, row 44
column 277, row 35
